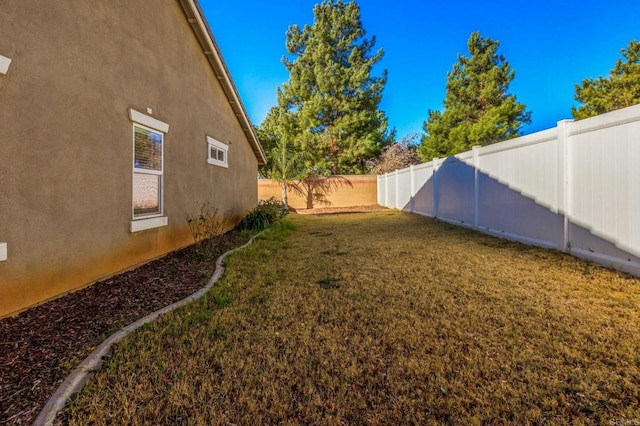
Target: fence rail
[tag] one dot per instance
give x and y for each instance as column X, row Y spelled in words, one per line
column 575, row 188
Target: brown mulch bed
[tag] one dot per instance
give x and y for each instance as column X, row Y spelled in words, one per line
column 41, row 346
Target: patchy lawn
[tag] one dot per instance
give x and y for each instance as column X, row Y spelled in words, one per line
column 384, row 318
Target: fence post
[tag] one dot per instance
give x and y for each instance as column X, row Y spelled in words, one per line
column 413, row 189
column 563, row 199
column 396, row 190
column 476, row 186
column 436, row 189
column 386, row 190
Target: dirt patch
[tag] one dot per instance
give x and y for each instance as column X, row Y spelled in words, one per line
column 338, row 210
column 41, row 346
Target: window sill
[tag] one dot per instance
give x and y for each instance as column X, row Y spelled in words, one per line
column 218, row 163
column 144, row 224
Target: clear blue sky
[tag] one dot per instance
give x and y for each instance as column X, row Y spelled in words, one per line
column 551, row 45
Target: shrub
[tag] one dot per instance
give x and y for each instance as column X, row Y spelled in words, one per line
column 205, row 225
column 265, row 214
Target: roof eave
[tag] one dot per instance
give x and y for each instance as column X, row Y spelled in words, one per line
column 203, row 33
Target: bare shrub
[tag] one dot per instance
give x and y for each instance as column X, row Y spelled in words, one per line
column 397, row 156
column 205, row 225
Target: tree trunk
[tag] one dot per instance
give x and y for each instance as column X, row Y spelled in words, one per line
column 285, row 201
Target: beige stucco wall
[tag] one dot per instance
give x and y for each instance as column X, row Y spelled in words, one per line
column 66, row 139
column 346, row 191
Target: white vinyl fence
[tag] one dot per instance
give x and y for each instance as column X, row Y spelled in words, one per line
column 574, row 188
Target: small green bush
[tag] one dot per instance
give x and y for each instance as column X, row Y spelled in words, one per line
column 265, row 214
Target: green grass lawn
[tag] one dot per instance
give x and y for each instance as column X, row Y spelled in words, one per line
column 384, row 318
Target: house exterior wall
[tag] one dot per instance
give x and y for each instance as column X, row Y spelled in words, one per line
column 66, row 144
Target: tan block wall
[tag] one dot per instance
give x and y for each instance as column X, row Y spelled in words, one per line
column 348, row 191
column 66, row 140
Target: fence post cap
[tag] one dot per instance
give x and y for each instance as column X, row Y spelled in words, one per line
column 566, row 120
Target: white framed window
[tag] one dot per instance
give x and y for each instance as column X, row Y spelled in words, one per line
column 217, row 152
column 148, row 172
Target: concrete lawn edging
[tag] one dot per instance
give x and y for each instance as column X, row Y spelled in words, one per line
column 76, row 380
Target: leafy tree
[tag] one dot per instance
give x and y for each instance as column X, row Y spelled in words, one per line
column 478, row 110
column 278, row 124
column 621, row 89
column 285, row 164
column 399, row 155
column 331, row 95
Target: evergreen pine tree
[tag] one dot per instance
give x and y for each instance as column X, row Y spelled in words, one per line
column 621, row 89
column 478, row 108
column 331, row 95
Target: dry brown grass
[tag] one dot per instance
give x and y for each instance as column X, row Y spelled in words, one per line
column 385, row 318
